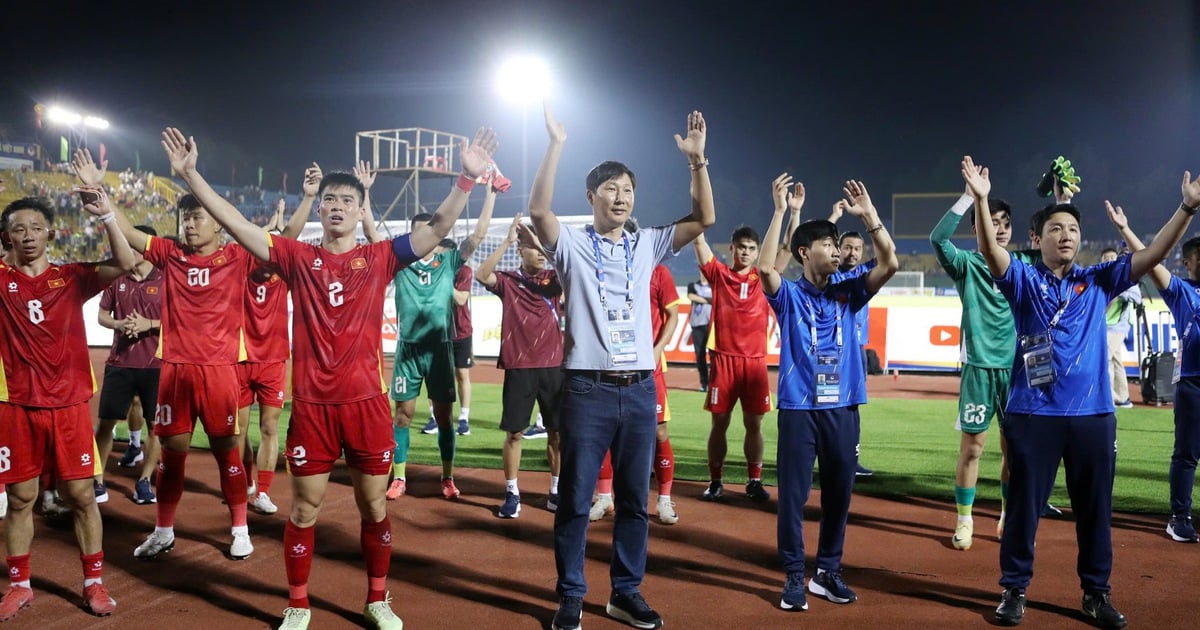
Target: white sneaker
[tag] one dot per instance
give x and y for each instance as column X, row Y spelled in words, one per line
column 3, row 504
column 602, row 506
column 666, row 511
column 157, row 543
column 241, row 547
column 295, row 619
column 262, row 504
column 381, row 616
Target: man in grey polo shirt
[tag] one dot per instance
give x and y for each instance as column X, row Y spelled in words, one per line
column 608, row 400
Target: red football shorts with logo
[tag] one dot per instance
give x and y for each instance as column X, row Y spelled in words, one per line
column 262, row 382
column 187, row 392
column 318, row 433
column 732, row 379
column 59, row 439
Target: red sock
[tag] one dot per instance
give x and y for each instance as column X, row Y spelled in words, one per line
column 170, row 485
column 604, row 483
column 754, row 470
column 93, row 565
column 233, row 484
column 376, row 540
column 265, row 477
column 18, row 569
column 297, row 561
column 664, row 466
column 716, row 472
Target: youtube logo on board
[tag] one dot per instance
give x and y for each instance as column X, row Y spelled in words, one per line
column 944, row 335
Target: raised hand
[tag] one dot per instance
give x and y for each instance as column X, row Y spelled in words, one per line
column 364, row 174
column 555, row 129
column 858, row 201
column 95, row 200
column 692, row 146
column 477, row 156
column 796, row 199
column 1191, row 190
column 839, row 207
column 527, row 237
column 280, row 206
column 86, row 169
column 978, row 182
column 512, row 229
column 312, row 180
column 779, row 191
column 181, row 150
column 1117, row 216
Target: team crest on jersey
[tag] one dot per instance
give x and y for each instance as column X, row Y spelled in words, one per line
column 219, row 260
column 57, row 283
column 1080, row 288
column 152, row 290
column 753, row 276
column 436, row 264
column 358, row 263
column 317, row 264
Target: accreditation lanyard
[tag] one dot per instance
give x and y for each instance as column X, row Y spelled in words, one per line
column 600, row 275
column 812, row 324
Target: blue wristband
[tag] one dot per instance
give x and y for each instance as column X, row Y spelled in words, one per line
column 402, row 248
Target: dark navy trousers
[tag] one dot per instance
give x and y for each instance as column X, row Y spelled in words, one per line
column 1087, row 446
column 832, row 436
column 1187, row 444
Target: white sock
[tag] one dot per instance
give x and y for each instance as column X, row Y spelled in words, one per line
column 135, row 438
column 966, row 519
column 464, row 413
column 241, row 529
column 166, row 531
column 24, row 583
column 553, row 484
column 510, row 485
column 539, row 421
column 603, row 497
column 664, row 497
column 90, row 581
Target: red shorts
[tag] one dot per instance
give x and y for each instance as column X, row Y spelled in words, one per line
column 34, row 439
column 660, row 386
column 264, row 382
column 319, row 433
column 733, row 378
column 187, row 392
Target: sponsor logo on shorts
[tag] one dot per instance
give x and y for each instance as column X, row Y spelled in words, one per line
column 229, row 420
column 85, row 459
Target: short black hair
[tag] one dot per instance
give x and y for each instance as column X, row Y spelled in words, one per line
column 607, row 170
column 745, row 233
column 447, row 244
column 851, row 234
column 342, row 178
column 418, row 219
column 1109, row 249
column 1191, row 245
column 1051, row 210
column 187, row 202
column 996, row 205
column 28, row 203
column 146, row 229
column 1035, row 221
column 809, row 232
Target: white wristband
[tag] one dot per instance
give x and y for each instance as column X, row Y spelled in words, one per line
column 108, row 218
column 964, row 203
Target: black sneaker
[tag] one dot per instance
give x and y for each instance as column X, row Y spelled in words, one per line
column 1181, row 529
column 633, row 610
column 831, row 586
column 862, row 471
column 569, row 615
column 756, row 491
column 1049, row 511
column 1098, row 607
column 714, row 491
column 1011, row 610
column 793, row 593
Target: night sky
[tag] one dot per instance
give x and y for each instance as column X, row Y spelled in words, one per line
column 893, row 93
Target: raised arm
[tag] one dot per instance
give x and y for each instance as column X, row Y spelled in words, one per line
column 704, row 213
column 475, row 160
column 704, row 253
column 182, row 153
column 91, row 175
column 1159, row 274
column 978, row 181
column 471, row 243
column 122, row 254
column 367, row 178
column 1168, row 237
column 312, row 183
column 795, row 203
column 486, row 273
column 276, row 224
column 771, row 280
column 886, row 262
column 542, row 192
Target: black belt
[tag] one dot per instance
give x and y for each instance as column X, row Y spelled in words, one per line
column 620, row 379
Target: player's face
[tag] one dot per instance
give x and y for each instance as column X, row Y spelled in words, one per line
column 612, row 203
column 199, row 228
column 340, row 210
column 822, row 256
column 1002, row 224
column 1192, row 263
column 1108, row 257
column 28, row 231
column 1060, row 239
column 851, row 251
column 533, row 258
column 745, row 254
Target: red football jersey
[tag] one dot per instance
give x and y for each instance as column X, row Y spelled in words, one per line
column 337, row 300
column 128, row 295
column 266, row 325
column 530, row 336
column 45, row 352
column 739, row 311
column 462, row 314
column 202, row 303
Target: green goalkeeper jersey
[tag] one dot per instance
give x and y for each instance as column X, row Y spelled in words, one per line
column 988, row 336
column 425, row 298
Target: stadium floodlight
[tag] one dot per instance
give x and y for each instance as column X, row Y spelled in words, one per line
column 62, row 116
column 524, row 79
column 95, row 122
